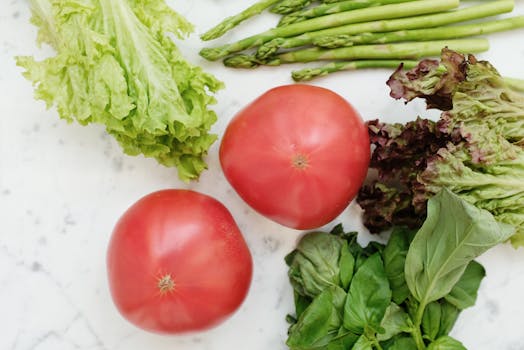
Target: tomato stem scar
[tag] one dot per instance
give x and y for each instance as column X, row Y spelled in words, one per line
column 166, row 284
column 300, row 161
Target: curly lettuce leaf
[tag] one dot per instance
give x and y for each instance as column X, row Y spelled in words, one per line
column 475, row 149
column 116, row 65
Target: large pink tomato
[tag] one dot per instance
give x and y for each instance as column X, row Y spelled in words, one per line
column 177, row 262
column 298, row 154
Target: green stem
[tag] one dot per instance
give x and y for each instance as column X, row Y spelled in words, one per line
column 426, row 21
column 376, row 344
column 308, row 74
column 331, row 8
column 417, row 337
column 412, row 50
column 357, row 16
column 440, row 33
column 285, row 7
column 416, row 334
column 233, row 21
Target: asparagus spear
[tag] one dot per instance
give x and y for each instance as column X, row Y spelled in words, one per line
column 307, row 74
column 330, row 8
column 439, row 33
column 285, row 7
column 361, row 15
column 235, row 20
column 426, row 21
column 411, row 50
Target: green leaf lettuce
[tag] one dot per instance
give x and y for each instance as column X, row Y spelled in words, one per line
column 116, row 65
column 475, row 149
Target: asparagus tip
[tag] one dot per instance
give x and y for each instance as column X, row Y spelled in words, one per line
column 269, row 48
column 241, row 61
column 307, row 74
column 212, row 53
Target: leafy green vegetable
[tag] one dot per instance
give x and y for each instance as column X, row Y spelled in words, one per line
column 347, row 266
column 431, row 320
column 395, row 260
column 454, row 233
column 395, row 321
column 475, row 149
column 368, row 298
column 116, row 65
column 433, row 275
column 363, row 343
column 314, row 265
column 301, row 303
column 343, row 341
column 446, row 343
column 464, row 293
column 400, row 343
column 448, row 316
column 320, row 322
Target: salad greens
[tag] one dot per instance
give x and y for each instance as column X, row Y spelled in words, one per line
column 116, row 65
column 404, row 295
column 475, row 149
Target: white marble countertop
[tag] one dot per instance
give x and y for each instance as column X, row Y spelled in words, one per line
column 62, row 188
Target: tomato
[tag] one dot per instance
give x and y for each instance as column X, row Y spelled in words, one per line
column 298, row 154
column 177, row 262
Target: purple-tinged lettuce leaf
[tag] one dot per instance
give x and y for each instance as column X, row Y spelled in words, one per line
column 475, row 149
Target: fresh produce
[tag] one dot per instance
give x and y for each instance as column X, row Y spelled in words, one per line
column 369, row 52
column 476, row 148
column 405, row 295
column 416, row 27
column 384, row 26
column 235, row 20
column 334, row 20
column 116, row 65
column 331, row 8
column 297, row 154
column 177, row 262
column 288, row 6
column 439, row 33
column 311, row 73
column 335, row 41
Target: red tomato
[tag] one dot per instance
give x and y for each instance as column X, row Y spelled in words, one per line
column 298, row 154
column 177, row 262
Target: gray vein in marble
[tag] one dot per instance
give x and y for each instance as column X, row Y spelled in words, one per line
column 59, row 334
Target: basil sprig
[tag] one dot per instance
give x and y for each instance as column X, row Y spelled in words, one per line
column 405, row 295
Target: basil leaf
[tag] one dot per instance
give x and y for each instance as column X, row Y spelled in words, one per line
column 395, row 321
column 315, row 264
column 301, row 303
column 363, row 343
column 347, row 265
column 395, row 261
column 454, row 233
column 446, row 343
column 344, row 340
column 431, row 320
column 320, row 322
column 369, row 296
column 448, row 316
column 464, row 293
column 400, row 343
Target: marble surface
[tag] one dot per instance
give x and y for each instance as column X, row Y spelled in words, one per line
column 62, row 188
